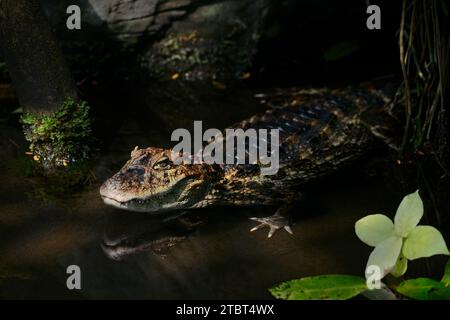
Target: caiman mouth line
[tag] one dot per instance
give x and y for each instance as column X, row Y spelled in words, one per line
column 136, row 205
column 122, row 204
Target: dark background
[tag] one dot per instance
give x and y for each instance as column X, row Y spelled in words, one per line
column 301, row 34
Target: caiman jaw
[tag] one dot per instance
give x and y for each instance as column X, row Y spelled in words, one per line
column 110, row 197
column 135, row 205
column 114, row 203
column 131, row 205
column 170, row 199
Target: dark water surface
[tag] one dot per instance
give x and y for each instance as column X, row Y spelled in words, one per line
column 207, row 253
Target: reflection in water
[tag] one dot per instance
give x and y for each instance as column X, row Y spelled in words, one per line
column 126, row 234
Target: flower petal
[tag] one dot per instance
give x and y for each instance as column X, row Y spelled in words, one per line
column 400, row 267
column 385, row 254
column 374, row 228
column 424, row 241
column 409, row 213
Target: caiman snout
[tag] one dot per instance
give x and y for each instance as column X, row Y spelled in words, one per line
column 123, row 186
column 106, row 189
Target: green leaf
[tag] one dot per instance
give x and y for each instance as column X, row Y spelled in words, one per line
column 400, row 267
column 409, row 213
column 326, row 287
column 440, row 294
column 385, row 254
column 420, row 288
column 423, row 242
column 446, row 278
column 374, row 229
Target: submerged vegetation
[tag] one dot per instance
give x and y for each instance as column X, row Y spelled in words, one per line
column 60, row 138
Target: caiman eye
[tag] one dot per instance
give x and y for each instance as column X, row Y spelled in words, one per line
column 162, row 164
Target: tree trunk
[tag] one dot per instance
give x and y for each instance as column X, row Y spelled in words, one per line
column 35, row 62
column 55, row 122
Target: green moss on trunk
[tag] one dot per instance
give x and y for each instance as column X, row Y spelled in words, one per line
column 61, row 138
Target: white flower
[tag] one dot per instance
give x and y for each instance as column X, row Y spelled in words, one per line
column 396, row 243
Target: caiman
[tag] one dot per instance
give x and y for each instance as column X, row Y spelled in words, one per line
column 319, row 131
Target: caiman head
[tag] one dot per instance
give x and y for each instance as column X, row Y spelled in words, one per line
column 151, row 182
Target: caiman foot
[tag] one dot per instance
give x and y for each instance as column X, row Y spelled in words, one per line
column 274, row 222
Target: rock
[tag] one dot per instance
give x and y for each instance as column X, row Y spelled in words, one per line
column 226, row 31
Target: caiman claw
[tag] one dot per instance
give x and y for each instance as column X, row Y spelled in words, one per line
column 274, row 222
